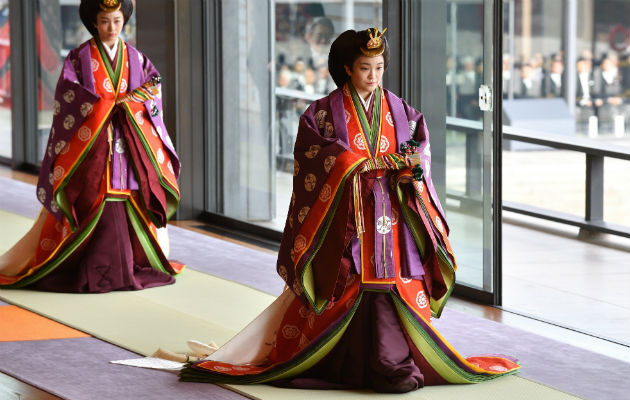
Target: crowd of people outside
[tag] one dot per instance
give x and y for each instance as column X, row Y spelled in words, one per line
column 602, row 84
column 308, row 71
column 302, row 66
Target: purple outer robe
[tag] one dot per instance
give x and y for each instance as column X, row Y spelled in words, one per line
column 323, row 124
column 77, row 76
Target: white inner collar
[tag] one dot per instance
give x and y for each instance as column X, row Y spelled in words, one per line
column 111, row 52
column 366, row 103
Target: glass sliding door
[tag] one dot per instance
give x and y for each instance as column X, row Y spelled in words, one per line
column 567, row 76
column 467, row 191
column 275, row 55
column 456, row 38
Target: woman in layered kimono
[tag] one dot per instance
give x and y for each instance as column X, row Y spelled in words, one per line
column 108, row 180
column 365, row 251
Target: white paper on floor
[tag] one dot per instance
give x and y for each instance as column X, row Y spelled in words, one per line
column 151, row 362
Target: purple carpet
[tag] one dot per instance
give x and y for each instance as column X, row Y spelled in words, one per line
column 226, row 260
column 80, row 369
column 18, row 197
column 565, row 367
column 571, row 369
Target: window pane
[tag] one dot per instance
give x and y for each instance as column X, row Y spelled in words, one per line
column 59, row 30
column 575, row 86
column 466, row 193
column 535, row 67
column 464, row 62
column 5, row 82
column 539, row 96
column 277, row 75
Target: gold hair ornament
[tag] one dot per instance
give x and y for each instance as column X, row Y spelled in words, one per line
column 375, row 46
column 110, row 5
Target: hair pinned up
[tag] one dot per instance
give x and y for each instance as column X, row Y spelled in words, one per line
column 351, row 45
column 89, row 9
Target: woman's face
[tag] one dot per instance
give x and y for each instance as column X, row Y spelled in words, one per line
column 109, row 26
column 366, row 74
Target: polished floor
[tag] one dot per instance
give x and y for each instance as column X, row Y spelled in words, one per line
column 550, row 274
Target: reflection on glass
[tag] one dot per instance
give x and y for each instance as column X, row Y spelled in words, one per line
column 464, row 152
column 293, row 74
column 575, row 86
column 5, row 81
column 537, row 58
column 539, row 95
column 464, row 207
column 59, row 30
column 464, row 62
column 536, row 70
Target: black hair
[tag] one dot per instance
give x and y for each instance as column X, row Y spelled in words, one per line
column 345, row 50
column 89, row 9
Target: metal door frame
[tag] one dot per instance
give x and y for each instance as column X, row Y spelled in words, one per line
column 411, row 24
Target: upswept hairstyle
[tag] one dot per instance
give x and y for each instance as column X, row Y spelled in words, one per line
column 89, row 9
column 346, row 49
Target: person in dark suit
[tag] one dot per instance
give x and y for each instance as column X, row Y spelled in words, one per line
column 609, row 90
column 468, row 82
column 585, row 84
column 531, row 86
column 553, row 80
column 584, row 91
column 608, row 83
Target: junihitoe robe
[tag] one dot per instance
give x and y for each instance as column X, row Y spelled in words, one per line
column 107, row 182
column 367, row 262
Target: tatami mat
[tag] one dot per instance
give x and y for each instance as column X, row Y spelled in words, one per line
column 12, row 228
column 198, row 306
column 203, row 307
column 168, row 316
